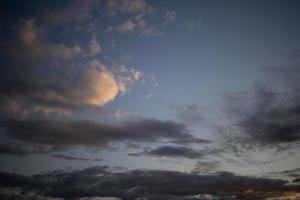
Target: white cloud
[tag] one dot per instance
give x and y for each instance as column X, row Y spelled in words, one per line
column 126, row 77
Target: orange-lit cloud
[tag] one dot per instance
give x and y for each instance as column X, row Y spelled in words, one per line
column 101, row 85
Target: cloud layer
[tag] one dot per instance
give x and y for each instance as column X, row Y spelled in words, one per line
column 26, row 136
column 145, row 184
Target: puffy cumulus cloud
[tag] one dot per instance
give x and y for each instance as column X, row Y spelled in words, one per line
column 100, row 183
column 48, row 78
column 103, row 85
column 100, row 83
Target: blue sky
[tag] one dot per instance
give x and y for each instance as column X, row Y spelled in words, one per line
column 190, row 86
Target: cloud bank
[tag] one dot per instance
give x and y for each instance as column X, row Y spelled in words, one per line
column 97, row 182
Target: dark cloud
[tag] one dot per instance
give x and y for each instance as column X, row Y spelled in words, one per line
column 67, row 157
column 297, row 180
column 172, row 151
column 177, row 152
column 24, row 149
column 12, row 149
column 191, row 140
column 293, row 173
column 263, row 119
column 64, row 134
column 131, row 185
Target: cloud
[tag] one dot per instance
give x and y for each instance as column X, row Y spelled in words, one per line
column 49, row 78
column 101, row 85
column 285, row 75
column 99, row 198
column 13, row 149
column 126, row 77
column 293, row 173
column 173, row 151
column 205, row 167
column 128, row 6
column 126, row 27
column 140, row 18
column 139, row 24
column 94, row 47
column 67, row 157
column 179, row 152
column 17, row 194
column 170, row 16
column 77, row 12
column 263, row 119
column 18, row 148
column 34, row 47
column 145, row 184
column 62, row 134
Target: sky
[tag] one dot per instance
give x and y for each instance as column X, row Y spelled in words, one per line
column 145, row 99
